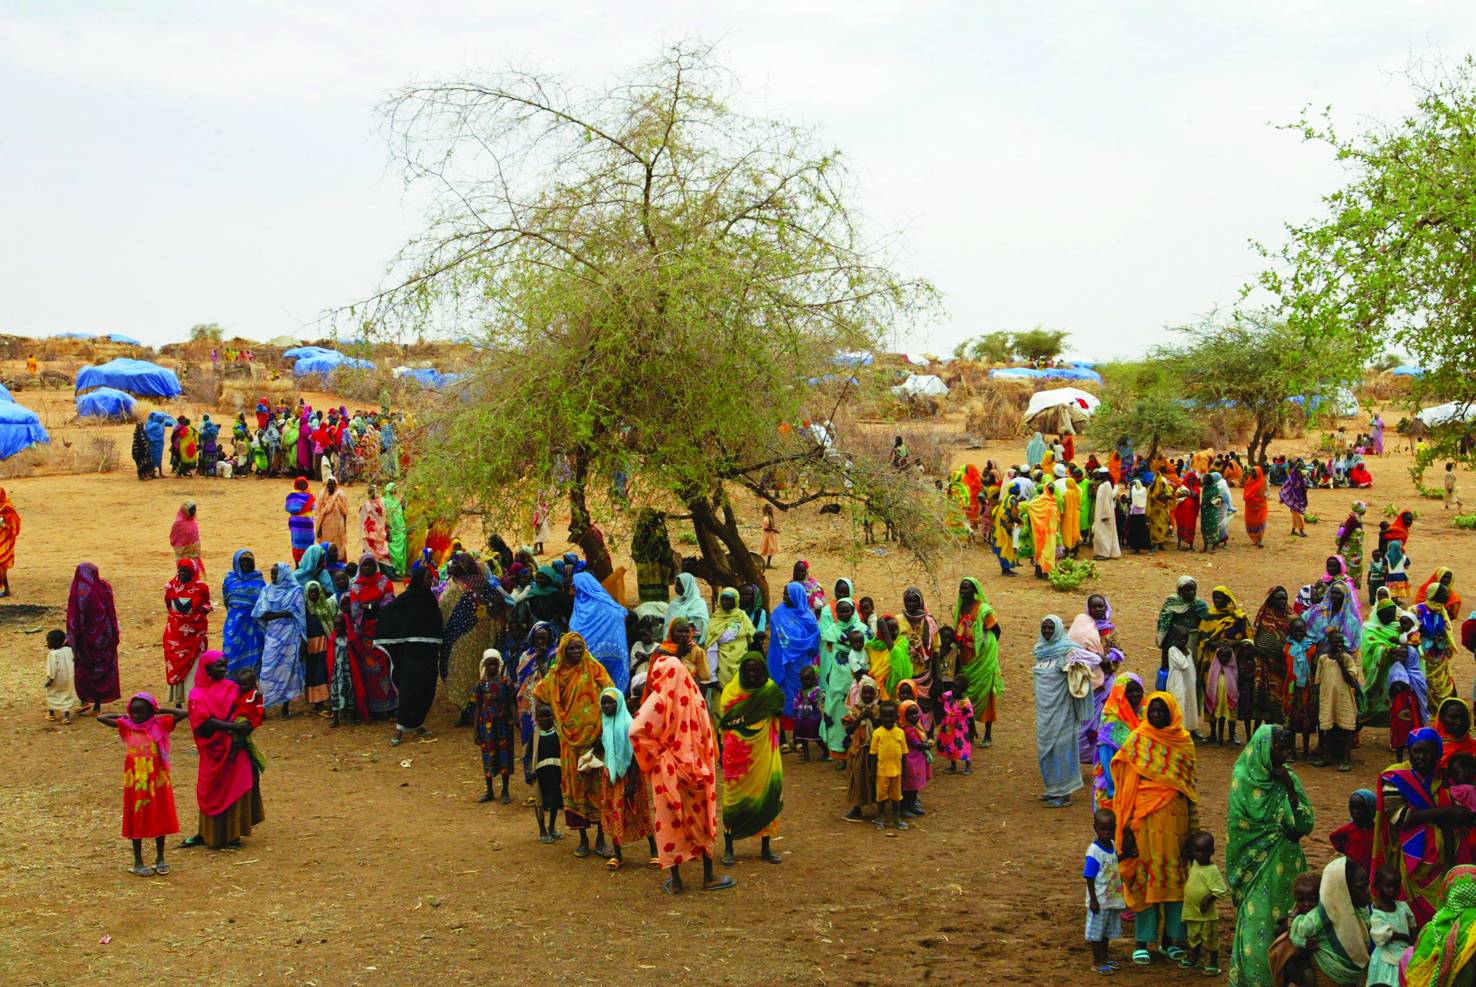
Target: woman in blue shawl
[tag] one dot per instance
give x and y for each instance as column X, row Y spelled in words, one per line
column 1058, row 714
column 1035, row 450
column 281, row 611
column 209, row 445
column 158, row 422
column 241, row 636
column 532, row 663
column 601, row 622
column 1335, row 613
column 794, row 642
column 313, row 568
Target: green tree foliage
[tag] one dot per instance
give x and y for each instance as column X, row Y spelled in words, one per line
column 1391, row 261
column 992, row 347
column 1143, row 403
column 1039, row 344
column 1255, row 362
column 655, row 278
column 206, row 332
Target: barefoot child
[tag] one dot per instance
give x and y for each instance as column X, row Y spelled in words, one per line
column 1404, row 716
column 1222, row 694
column 861, row 718
column 1104, row 900
column 547, row 772
column 625, row 801
column 1355, row 838
column 1391, row 927
column 953, row 733
column 61, row 696
column 494, row 734
column 808, row 703
column 917, row 768
column 148, row 795
column 888, row 746
column 1203, row 887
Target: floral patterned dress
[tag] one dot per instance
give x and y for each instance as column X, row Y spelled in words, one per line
column 148, row 794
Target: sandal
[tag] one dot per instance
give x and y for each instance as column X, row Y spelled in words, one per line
column 1176, row 952
column 141, row 870
column 161, row 868
column 721, row 884
column 580, row 851
column 613, row 865
column 1142, row 957
column 654, row 863
column 1104, row 970
column 1211, row 971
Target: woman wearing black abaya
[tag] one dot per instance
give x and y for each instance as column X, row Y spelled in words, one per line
column 410, row 632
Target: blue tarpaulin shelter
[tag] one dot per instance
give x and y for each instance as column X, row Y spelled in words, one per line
column 426, row 377
column 134, row 376
column 297, row 352
column 852, row 359
column 324, row 364
column 118, row 337
column 20, row 428
column 1049, row 373
column 5, row 394
column 73, row 335
column 1408, row 371
column 105, row 402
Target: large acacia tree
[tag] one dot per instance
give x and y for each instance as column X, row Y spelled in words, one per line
column 653, row 281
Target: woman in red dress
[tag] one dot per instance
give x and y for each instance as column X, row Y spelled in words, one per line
column 1186, row 513
column 148, row 793
column 186, row 626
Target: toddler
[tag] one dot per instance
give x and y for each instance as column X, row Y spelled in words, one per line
column 61, row 696
column 1222, row 694
column 1203, row 886
column 1404, row 717
column 917, row 767
column 945, row 669
column 1375, row 575
column 1460, row 771
column 251, row 708
column 148, row 793
column 888, row 746
column 807, row 705
column 1355, row 838
column 953, row 733
column 1391, row 927
column 1247, row 700
column 494, row 733
column 860, row 720
column 1104, row 901
column 548, row 773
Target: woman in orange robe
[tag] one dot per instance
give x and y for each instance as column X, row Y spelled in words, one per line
column 10, row 526
column 1255, row 505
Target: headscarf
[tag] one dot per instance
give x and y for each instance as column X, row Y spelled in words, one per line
column 1453, row 599
column 1450, row 746
column 794, row 640
column 283, row 596
column 574, row 693
column 733, row 620
column 1349, row 925
column 1447, row 943
column 753, row 772
column 151, row 727
column 312, row 568
column 1259, row 812
column 690, row 605
column 1035, row 450
column 225, row 769
column 600, row 621
column 1276, row 623
column 92, row 622
column 185, row 530
column 615, row 735
column 1163, row 756
column 1294, row 490
column 1320, row 619
column 325, row 608
column 1175, row 606
column 1119, row 718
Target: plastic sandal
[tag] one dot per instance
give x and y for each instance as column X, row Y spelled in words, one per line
column 1211, row 971
column 1175, row 952
column 1105, row 971
column 161, row 868
column 613, row 865
column 1142, row 957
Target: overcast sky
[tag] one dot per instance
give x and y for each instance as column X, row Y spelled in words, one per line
column 1095, row 167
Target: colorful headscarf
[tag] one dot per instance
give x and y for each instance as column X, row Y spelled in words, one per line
column 151, row 727
column 753, row 772
column 1447, row 943
column 615, row 735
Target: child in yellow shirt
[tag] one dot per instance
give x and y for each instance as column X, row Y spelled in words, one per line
column 888, row 745
column 1203, row 887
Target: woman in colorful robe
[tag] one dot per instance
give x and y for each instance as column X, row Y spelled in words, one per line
column 241, row 636
column 373, row 530
column 332, row 522
column 228, row 788
column 10, row 526
column 753, row 772
column 281, row 611
column 474, row 618
column 186, row 627
column 572, row 689
column 184, row 533
column 92, row 634
column 1413, row 822
column 394, row 522
column 1186, row 511
column 1153, row 776
column 1121, row 715
column 1268, row 816
column 371, row 590
column 977, row 632
column 1256, row 509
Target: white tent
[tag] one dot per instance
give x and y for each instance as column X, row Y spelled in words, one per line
column 1444, row 414
column 921, row 386
column 1060, row 409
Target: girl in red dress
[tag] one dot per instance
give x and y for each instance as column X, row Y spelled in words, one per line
column 148, row 796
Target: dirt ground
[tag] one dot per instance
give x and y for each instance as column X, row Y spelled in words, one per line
column 377, row 865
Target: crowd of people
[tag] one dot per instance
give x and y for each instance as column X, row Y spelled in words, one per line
column 285, row 441
column 1051, row 508
column 621, row 721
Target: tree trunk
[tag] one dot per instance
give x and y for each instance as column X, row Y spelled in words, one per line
column 726, row 558
column 1153, row 449
column 582, row 531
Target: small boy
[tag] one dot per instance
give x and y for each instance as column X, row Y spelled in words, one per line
column 1104, row 901
column 1460, row 771
column 1404, row 717
column 945, row 668
column 1450, row 488
column 866, row 608
column 888, row 745
column 1203, row 886
column 807, row 705
column 1375, row 575
column 547, row 772
column 496, row 713
column 1245, row 680
column 640, row 654
column 61, row 697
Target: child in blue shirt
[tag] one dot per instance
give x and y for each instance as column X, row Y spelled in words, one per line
column 1104, row 900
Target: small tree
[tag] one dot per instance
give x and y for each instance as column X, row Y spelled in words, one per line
column 992, row 347
column 206, row 332
column 657, row 279
column 1039, row 344
column 1255, row 362
column 1145, row 406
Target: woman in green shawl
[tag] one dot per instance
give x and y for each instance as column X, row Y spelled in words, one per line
column 689, row 605
column 1381, row 648
column 977, row 633
column 1445, row 953
column 730, row 633
column 394, row 521
column 838, row 670
column 1268, row 815
column 753, row 771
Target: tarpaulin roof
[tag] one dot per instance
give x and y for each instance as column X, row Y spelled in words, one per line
column 105, row 402
column 118, row 337
column 134, row 376
column 300, row 351
column 1408, row 371
column 1048, row 373
column 852, row 359
column 921, row 385
column 20, row 428
column 427, row 377
column 73, row 335
column 1451, row 411
column 324, row 364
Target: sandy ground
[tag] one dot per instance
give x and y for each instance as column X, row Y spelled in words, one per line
column 377, row 866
